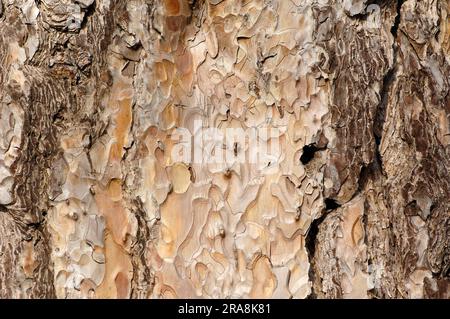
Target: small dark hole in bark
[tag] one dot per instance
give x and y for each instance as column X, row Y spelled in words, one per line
column 34, row 225
column 3, row 208
column 331, row 204
column 377, row 140
column 308, row 153
column 58, row 116
column 432, row 207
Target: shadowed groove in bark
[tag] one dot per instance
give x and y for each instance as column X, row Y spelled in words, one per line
column 388, row 81
column 310, row 244
column 311, row 240
column 142, row 282
column 395, row 26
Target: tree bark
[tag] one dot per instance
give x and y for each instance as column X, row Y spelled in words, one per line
column 93, row 203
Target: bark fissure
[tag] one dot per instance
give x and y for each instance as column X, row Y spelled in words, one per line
column 142, row 282
column 387, row 83
column 310, row 245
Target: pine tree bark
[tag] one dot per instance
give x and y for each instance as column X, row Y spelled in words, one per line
column 93, row 205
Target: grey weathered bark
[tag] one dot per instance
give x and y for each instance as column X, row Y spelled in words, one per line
column 92, row 205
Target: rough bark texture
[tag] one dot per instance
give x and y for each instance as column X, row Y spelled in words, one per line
column 93, row 206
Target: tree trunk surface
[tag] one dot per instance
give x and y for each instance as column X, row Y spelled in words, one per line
column 95, row 204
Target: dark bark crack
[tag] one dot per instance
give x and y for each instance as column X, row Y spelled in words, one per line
column 142, row 281
column 388, row 81
column 310, row 245
column 311, row 240
column 394, row 28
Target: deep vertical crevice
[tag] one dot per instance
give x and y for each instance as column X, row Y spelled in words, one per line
column 310, row 245
column 142, row 281
column 388, row 81
column 311, row 240
column 395, row 26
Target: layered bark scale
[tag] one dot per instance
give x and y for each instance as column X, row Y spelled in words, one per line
column 93, row 204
